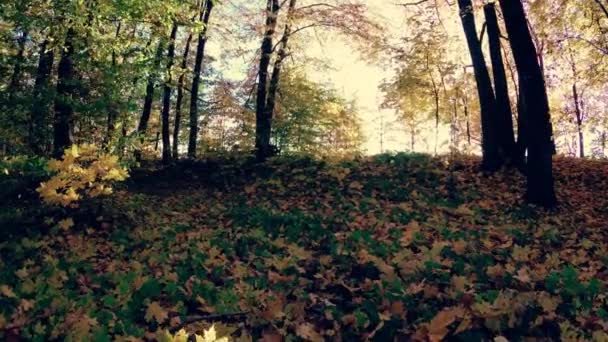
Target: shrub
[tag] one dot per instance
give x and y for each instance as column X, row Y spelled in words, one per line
column 83, row 172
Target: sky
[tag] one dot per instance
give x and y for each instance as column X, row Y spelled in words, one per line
column 354, row 79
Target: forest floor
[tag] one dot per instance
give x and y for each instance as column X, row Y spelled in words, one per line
column 403, row 247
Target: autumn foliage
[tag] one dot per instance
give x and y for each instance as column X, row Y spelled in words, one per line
column 83, row 172
column 394, row 246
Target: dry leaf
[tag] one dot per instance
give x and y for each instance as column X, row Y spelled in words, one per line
column 307, row 331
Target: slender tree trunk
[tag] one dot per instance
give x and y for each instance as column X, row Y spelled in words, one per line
column 180, row 97
column 603, row 7
column 412, row 139
column 149, row 98
column 522, row 129
column 504, row 116
column 487, row 101
column 466, row 116
column 579, row 120
column 64, row 110
column 436, row 97
column 540, row 183
column 40, row 107
column 113, row 107
column 16, row 76
column 167, row 97
column 196, row 79
column 263, row 124
column 273, row 88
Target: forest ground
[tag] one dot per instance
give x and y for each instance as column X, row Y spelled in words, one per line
column 393, row 246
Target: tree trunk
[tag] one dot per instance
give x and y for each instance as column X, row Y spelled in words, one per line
column 180, row 98
column 263, row 124
column 64, row 110
column 504, row 116
column 540, row 183
column 149, row 98
column 16, row 76
column 579, row 120
column 196, row 79
column 487, row 101
column 465, row 106
column 522, row 129
column 113, row 108
column 40, row 107
column 275, row 79
column 167, row 97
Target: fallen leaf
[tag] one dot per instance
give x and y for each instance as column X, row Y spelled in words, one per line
column 307, row 331
column 7, row 292
column 156, row 312
column 438, row 326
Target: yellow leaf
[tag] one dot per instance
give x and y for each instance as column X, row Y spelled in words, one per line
column 356, row 185
column 2, row 322
column 66, row 224
column 307, row 331
column 7, row 292
column 156, row 312
column 210, row 335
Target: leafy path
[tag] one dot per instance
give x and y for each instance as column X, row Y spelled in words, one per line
column 402, row 247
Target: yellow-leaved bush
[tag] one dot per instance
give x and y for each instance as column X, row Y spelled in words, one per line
column 83, row 172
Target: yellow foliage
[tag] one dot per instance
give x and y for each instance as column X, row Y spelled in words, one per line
column 83, row 172
column 209, row 335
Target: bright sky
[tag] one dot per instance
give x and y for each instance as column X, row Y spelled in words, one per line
column 359, row 80
column 354, row 79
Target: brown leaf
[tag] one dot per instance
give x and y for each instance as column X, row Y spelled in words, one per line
column 156, row 312
column 438, row 326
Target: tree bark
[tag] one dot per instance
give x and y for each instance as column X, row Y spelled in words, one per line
column 275, row 79
column 40, row 106
column 64, row 110
column 113, row 108
column 540, row 183
column 263, row 123
column 504, row 116
column 149, row 98
column 196, row 79
column 180, row 98
column 167, row 97
column 579, row 120
column 487, row 101
column 16, row 76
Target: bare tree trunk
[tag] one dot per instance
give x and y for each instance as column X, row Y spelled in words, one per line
column 278, row 64
column 196, row 79
column 40, row 107
column 504, row 116
column 180, row 98
column 64, row 111
column 14, row 84
column 263, row 123
column 579, row 120
column 113, row 108
column 167, row 97
column 603, row 7
column 540, row 184
column 468, row 122
column 487, row 101
column 149, row 98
